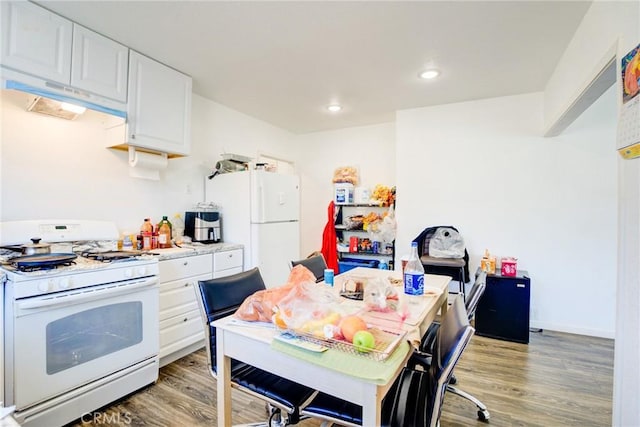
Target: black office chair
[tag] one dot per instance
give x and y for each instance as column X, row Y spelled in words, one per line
column 454, row 267
column 416, row 397
column 427, row 345
column 315, row 263
column 218, row 298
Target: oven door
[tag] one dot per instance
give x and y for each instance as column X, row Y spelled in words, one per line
column 63, row 341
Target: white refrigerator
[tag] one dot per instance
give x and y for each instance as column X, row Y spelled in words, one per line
column 260, row 210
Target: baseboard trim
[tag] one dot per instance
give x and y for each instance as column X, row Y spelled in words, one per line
column 600, row 333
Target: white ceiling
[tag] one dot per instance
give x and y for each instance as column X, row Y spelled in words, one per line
column 284, row 62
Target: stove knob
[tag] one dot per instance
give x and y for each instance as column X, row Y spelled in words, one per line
column 142, row 271
column 44, row 286
column 64, row 283
column 128, row 273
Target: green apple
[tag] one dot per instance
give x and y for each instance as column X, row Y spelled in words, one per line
column 364, row 341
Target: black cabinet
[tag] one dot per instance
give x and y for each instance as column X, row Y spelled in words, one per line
column 503, row 310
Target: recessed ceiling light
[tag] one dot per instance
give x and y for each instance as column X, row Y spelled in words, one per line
column 429, row 74
column 334, row 108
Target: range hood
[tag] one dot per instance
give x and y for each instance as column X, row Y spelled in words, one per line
column 42, row 105
column 62, row 93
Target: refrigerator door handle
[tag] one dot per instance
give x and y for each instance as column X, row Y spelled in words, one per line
column 261, row 203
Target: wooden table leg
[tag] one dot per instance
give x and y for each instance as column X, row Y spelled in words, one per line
column 371, row 408
column 223, row 382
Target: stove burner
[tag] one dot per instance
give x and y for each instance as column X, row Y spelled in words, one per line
column 42, row 261
column 110, row 256
column 30, row 268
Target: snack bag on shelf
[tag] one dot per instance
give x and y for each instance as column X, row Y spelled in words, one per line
column 346, row 174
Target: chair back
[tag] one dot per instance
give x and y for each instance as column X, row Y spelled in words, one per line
column 476, row 292
column 218, row 298
column 423, row 240
column 315, row 263
column 453, row 336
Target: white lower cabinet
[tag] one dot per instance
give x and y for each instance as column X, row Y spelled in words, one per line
column 181, row 330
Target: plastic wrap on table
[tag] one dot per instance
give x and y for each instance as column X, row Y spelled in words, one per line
column 259, row 307
column 310, row 308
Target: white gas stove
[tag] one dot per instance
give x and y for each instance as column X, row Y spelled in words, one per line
column 81, row 333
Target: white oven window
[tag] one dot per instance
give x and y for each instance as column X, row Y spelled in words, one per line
column 93, row 333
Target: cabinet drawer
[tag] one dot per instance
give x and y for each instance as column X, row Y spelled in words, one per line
column 180, row 332
column 227, row 259
column 180, row 268
column 179, row 296
column 227, row 272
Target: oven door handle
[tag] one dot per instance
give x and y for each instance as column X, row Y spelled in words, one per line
column 84, row 295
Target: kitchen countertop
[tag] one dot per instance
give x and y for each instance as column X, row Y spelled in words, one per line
column 192, row 249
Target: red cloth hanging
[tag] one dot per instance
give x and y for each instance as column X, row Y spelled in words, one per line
column 329, row 240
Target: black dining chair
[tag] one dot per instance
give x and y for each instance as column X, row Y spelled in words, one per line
column 427, row 345
column 315, row 263
column 458, row 268
column 416, row 397
column 221, row 297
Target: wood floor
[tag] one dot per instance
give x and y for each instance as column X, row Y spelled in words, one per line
column 556, row 380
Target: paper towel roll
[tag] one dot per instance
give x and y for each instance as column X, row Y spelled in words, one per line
column 146, row 165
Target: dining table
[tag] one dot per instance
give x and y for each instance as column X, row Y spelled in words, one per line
column 358, row 378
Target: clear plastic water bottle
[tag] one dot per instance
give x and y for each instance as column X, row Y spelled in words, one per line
column 414, row 273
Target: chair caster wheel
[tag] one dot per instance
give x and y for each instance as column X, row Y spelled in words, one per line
column 483, row 415
column 453, row 380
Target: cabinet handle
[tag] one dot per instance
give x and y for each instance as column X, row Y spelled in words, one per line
column 185, row 319
column 186, row 284
column 230, row 255
column 520, row 285
column 133, row 136
column 186, row 263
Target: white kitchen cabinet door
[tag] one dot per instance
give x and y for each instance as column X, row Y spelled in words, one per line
column 36, row 41
column 99, row 64
column 159, row 107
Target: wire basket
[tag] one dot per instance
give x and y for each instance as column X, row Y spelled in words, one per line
column 386, row 343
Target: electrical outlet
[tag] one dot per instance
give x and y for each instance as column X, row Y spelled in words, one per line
column 188, row 190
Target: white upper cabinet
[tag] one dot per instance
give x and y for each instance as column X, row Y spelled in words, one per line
column 99, row 64
column 36, row 41
column 159, row 107
column 43, row 45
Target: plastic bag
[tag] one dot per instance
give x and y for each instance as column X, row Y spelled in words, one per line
column 259, row 307
column 380, row 296
column 384, row 230
column 446, row 243
column 311, row 308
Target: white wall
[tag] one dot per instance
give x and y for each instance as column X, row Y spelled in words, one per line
column 370, row 148
column 54, row 168
column 607, row 27
column 611, row 26
column 483, row 167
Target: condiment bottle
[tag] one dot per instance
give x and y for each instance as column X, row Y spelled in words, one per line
column 146, row 230
column 164, row 233
column 154, row 238
column 127, row 244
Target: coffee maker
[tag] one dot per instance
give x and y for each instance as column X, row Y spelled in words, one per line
column 202, row 226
